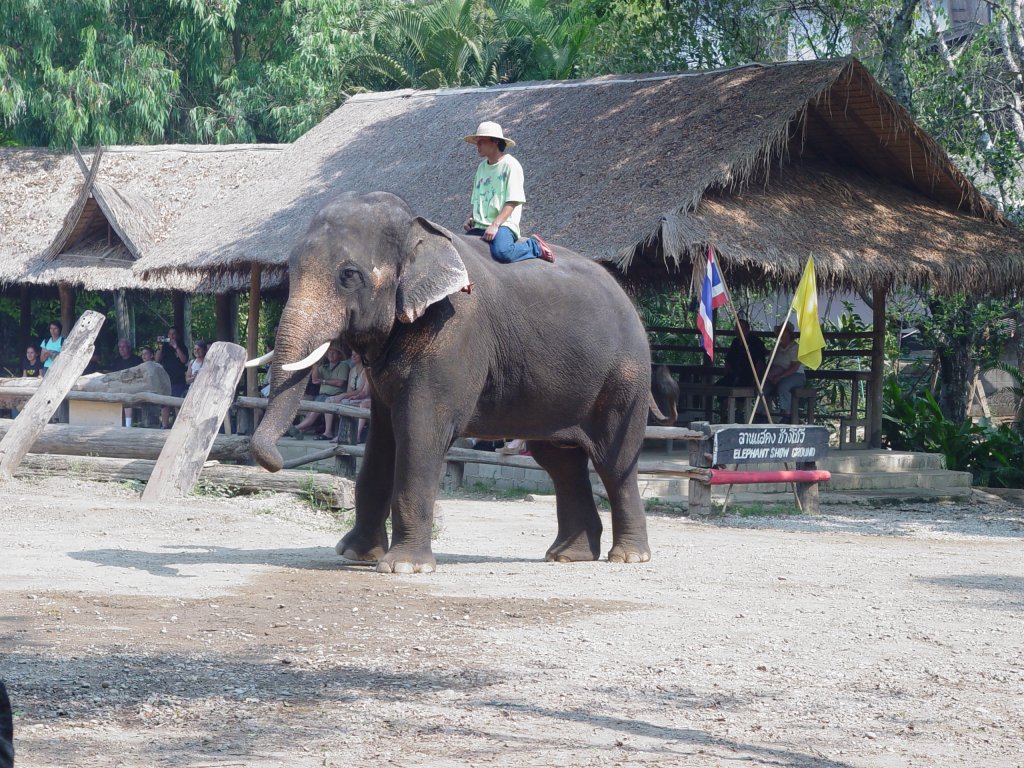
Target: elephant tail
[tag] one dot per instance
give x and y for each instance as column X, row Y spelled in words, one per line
column 659, row 417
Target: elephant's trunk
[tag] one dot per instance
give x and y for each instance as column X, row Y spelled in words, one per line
column 298, row 335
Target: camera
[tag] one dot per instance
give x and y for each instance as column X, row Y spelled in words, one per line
column 164, row 339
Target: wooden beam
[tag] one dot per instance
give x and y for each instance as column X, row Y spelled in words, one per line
column 876, row 382
column 119, row 442
column 336, row 491
column 68, row 366
column 67, row 305
column 25, row 321
column 195, row 428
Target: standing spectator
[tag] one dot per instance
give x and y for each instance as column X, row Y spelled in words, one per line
column 50, row 348
column 125, row 359
column 172, row 356
column 199, row 350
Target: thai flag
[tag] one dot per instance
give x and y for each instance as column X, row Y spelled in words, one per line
column 712, row 296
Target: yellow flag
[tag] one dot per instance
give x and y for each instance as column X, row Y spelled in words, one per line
column 805, row 303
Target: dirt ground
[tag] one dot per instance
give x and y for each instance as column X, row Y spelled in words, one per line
column 226, row 632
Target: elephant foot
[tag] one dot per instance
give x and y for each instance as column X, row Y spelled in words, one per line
column 578, row 549
column 361, row 547
column 405, row 560
column 629, row 553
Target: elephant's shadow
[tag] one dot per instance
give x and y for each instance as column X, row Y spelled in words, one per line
column 170, row 559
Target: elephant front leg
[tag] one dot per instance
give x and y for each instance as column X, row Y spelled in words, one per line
column 368, row 540
column 420, row 448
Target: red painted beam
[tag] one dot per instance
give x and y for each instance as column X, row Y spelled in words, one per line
column 735, row 477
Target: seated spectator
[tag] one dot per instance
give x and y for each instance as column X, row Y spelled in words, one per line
column 786, row 373
column 32, row 365
column 737, row 367
column 199, row 350
column 357, row 393
column 50, row 348
column 125, row 359
column 332, row 375
column 146, row 353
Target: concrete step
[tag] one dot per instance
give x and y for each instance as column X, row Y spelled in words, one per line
column 882, row 461
column 928, row 478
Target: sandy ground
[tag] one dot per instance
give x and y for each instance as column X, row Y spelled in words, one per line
column 225, row 632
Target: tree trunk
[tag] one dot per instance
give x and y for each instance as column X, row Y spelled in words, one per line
column 893, row 41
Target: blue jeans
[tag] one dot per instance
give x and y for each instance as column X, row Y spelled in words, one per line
column 506, row 249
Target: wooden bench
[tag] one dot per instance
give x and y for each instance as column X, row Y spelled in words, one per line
column 806, row 398
column 737, row 400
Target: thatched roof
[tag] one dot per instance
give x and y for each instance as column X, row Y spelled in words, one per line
column 617, row 168
column 85, row 221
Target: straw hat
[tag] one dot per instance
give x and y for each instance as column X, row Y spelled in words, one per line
column 489, row 130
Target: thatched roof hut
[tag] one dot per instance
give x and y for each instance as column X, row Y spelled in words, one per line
column 769, row 163
column 83, row 221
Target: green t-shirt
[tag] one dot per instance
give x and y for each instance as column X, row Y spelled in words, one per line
column 494, row 186
column 337, row 371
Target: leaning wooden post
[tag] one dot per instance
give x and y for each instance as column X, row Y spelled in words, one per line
column 877, row 381
column 699, row 492
column 195, row 429
column 252, row 385
column 63, row 374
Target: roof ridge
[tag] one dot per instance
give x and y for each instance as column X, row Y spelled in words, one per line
column 596, row 81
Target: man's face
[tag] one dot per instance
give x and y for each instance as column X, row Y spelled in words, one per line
column 333, row 355
column 485, row 146
column 54, row 331
column 172, row 334
column 123, row 349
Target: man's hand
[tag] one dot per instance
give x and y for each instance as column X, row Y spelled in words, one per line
column 468, row 225
column 490, row 232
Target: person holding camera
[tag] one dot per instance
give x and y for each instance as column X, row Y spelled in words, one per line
column 173, row 357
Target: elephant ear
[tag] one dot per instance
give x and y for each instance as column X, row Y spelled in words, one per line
column 431, row 269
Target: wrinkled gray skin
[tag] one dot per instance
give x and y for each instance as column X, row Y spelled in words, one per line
column 665, row 390
column 553, row 353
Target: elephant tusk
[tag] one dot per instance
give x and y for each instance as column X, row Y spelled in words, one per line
column 260, row 360
column 309, row 360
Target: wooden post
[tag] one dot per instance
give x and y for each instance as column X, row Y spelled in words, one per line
column 699, row 493
column 125, row 327
column 74, row 356
column 252, row 385
column 875, row 385
column 225, row 312
column 67, row 306
column 807, row 493
column 25, row 321
column 195, row 429
column 183, row 317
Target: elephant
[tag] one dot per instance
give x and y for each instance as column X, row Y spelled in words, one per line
column 456, row 344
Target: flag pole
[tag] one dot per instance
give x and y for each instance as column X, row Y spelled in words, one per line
column 768, row 367
column 757, row 381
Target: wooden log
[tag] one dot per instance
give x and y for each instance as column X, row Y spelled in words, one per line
column 335, row 491
column 807, row 493
column 309, row 406
column 118, row 442
column 145, row 377
column 195, row 428
column 74, row 356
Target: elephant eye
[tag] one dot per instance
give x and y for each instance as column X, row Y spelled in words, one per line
column 350, row 278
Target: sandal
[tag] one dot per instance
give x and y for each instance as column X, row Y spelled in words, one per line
column 545, row 250
column 323, row 437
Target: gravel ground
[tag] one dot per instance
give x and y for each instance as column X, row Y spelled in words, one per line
column 225, row 632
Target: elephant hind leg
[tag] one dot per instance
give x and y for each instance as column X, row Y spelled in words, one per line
column 579, row 526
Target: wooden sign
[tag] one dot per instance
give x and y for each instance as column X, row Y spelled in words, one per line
column 769, row 443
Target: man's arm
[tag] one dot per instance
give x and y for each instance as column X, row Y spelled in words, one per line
column 501, row 218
